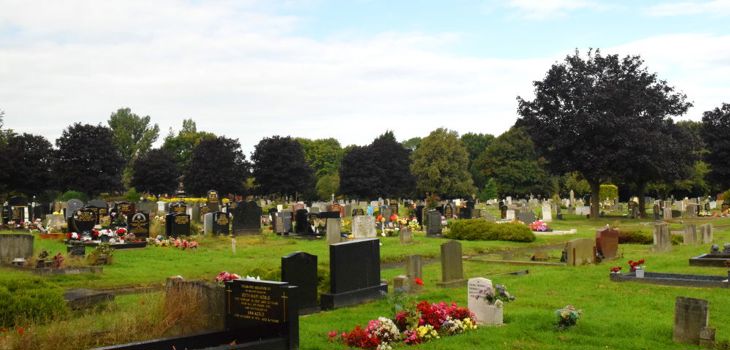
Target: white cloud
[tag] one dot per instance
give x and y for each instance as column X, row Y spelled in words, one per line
column 546, row 9
column 683, row 8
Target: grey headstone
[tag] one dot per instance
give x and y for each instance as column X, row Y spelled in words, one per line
column 452, row 268
column 690, row 317
column 434, row 223
column 363, row 226
column 208, row 224
column 706, row 233
column 406, row 235
column 581, row 251
column 72, row 206
column 690, row 234
column 662, row 237
column 334, row 234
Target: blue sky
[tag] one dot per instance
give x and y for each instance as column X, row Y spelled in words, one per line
column 344, row 69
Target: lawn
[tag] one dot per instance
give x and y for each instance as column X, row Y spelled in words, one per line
column 615, row 315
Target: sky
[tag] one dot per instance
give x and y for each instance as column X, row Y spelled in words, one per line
column 348, row 69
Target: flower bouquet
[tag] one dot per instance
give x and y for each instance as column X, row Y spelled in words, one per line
column 539, row 226
column 637, row 267
column 567, row 317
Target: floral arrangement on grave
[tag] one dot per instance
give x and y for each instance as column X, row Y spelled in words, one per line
column 224, row 276
column 567, row 317
column 497, row 295
column 183, row 244
column 636, row 265
column 101, row 255
column 616, row 270
column 421, row 323
column 539, row 226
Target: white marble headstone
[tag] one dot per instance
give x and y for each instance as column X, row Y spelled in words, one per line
column 547, row 212
column 477, row 303
column 510, row 214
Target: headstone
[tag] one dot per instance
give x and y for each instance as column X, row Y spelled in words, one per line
column 178, row 208
column 363, row 226
column 124, row 209
column 15, row 245
column 286, row 217
column 208, row 223
column 690, row 317
column 162, row 207
column 401, row 284
column 212, row 201
column 301, row 223
column 706, row 233
column 419, row 214
column 547, row 212
column 139, row 224
column 221, row 223
column 72, row 206
column 247, row 218
column 510, row 215
column 406, row 235
column 84, row 220
column 354, row 274
column 452, row 268
column 195, row 212
column 300, row 269
column 76, row 250
column 484, row 313
column 434, row 223
column 180, row 225
column 667, row 214
column 414, row 266
column 334, row 234
column 607, row 243
column 690, row 234
column 580, row 251
column 662, row 237
column 526, row 216
column 583, row 210
column 99, row 207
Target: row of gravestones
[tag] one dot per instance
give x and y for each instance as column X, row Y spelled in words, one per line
column 84, row 220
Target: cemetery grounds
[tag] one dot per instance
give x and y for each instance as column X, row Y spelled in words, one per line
column 615, row 315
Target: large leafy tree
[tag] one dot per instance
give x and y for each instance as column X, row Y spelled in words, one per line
column 155, row 172
column 476, row 144
column 133, row 136
column 512, row 162
column 440, row 165
column 26, row 164
column 358, row 177
column 86, row 160
column 280, row 167
column 181, row 145
column 216, row 164
column 716, row 136
column 322, row 155
column 593, row 116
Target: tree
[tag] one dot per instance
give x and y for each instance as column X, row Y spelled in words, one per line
column 155, row 172
column 87, row 161
column 440, row 165
column 412, row 143
column 476, row 144
column 280, row 167
column 26, row 164
column 512, row 162
column 327, row 185
column 182, row 144
column 133, row 136
column 357, row 175
column 716, row 136
column 323, row 155
column 593, row 116
column 216, row 164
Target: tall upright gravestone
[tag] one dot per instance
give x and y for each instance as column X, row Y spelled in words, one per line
column 221, row 223
column 300, row 269
column 139, row 224
column 72, row 206
column 247, row 218
column 452, row 267
column 690, row 317
column 434, row 223
column 212, row 201
column 662, row 237
column 354, row 274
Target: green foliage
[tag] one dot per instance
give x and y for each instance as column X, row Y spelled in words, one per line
column 412, row 143
column 634, row 237
column 440, row 165
column 30, row 300
column 475, row 145
column 327, row 185
column 489, row 191
column 26, row 164
column 280, row 167
column 479, row 229
column 181, row 145
column 216, row 163
column 513, row 164
column 716, row 136
column 608, row 191
column 133, row 136
column 156, row 172
column 71, row 194
column 573, row 181
column 323, row 155
column 132, row 195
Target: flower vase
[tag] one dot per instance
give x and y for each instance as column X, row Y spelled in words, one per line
column 639, row 273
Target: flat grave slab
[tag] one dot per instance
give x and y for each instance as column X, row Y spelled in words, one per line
column 674, row 279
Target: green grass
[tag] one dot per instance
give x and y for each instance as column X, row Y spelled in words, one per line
column 615, row 315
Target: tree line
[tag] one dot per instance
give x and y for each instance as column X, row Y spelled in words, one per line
column 593, row 119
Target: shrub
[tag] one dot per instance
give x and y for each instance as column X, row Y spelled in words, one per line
column 32, row 300
column 634, row 237
column 68, row 195
column 608, row 191
column 479, row 229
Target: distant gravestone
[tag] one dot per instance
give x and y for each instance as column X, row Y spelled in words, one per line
column 580, row 251
column 100, row 208
column 434, row 223
column 286, row 217
column 76, row 250
column 208, row 223
column 691, row 316
column 487, row 216
column 247, row 218
column 452, row 267
column 509, row 214
column 667, row 213
column 607, row 243
column 354, row 274
column 180, row 225
column 195, row 212
column 583, row 210
column 300, row 269
column 221, row 223
column 414, row 267
column 124, row 209
column 212, row 201
column 72, row 206
column 526, row 216
column 690, row 234
column 301, row 222
column 84, row 220
column 139, row 224
column 419, row 213
column 706, row 233
column 363, row 226
column 484, row 313
column 662, row 237
column 334, row 231
column 547, row 212
column 178, row 208
column 405, row 235
column 449, row 211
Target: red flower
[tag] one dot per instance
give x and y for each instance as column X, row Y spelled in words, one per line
column 419, row 281
column 21, row 330
column 332, row 335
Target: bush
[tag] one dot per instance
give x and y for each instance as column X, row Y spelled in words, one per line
column 634, row 237
column 68, row 195
column 33, row 300
column 480, row 229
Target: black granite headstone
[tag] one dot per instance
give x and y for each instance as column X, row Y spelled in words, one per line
column 434, row 223
column 354, row 274
column 139, row 224
column 84, row 220
column 465, row 213
column 419, row 214
column 124, row 209
column 221, row 223
column 100, row 208
column 301, row 222
column 212, row 201
column 178, row 208
column 300, row 269
column 246, row 218
column 180, row 225
column 329, row 215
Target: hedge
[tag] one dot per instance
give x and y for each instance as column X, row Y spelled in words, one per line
column 482, row 230
column 35, row 300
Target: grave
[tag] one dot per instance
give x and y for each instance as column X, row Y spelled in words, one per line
column 714, row 258
column 180, row 225
column 72, row 206
column 177, row 208
column 706, row 233
column 354, row 274
column 414, row 269
column 15, row 245
column 212, row 201
column 76, row 250
column 547, row 212
column 662, row 237
column 300, row 269
column 607, row 243
column 667, row 210
column 334, row 234
column 301, row 225
column 509, row 214
column 405, row 235
column 80, row 299
column 690, row 234
column 673, row 279
column 485, row 313
column 139, row 224
column 221, row 223
column 434, row 223
column 363, row 226
column 99, row 207
column 452, row 267
column 208, row 223
column 691, row 316
column 84, row 220
column 580, row 251
column 246, row 218
column 526, row 216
